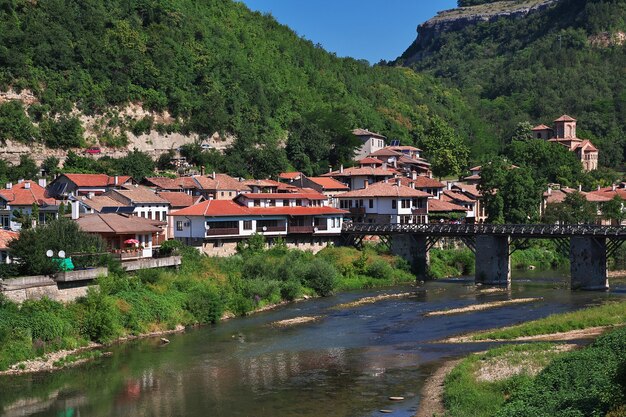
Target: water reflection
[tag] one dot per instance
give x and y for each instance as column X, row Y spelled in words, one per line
column 345, row 364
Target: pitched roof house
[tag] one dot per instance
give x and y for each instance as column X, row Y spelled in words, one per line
column 22, row 197
column 67, row 185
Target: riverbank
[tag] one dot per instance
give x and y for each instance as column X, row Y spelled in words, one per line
column 541, row 378
column 205, row 290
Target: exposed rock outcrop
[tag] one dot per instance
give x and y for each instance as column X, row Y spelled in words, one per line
column 459, row 18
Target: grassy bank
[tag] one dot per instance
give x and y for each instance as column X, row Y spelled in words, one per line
column 481, row 383
column 201, row 292
column 543, row 255
column 609, row 314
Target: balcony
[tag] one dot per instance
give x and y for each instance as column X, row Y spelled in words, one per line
column 321, row 227
column 301, row 229
column 267, row 229
column 420, row 211
column 357, row 210
column 126, row 254
column 222, row 231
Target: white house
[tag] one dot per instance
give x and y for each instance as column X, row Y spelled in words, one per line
column 386, row 202
column 370, row 142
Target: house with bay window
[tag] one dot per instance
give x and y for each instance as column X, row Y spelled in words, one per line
column 216, row 226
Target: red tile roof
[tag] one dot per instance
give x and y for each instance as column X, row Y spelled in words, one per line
column 421, row 181
column 404, row 148
column 98, row 202
column 179, row 199
column 369, row 161
column 311, row 195
column 6, row 236
column 385, row 189
column 449, row 195
column 557, row 196
column 386, row 152
column 19, row 195
column 438, row 206
column 137, row 195
column 165, row 183
column 290, row 175
column 328, row 183
column 471, row 189
column 96, row 180
column 363, row 172
column 262, row 183
column 229, row 208
column 542, row 127
column 565, row 118
column 221, row 182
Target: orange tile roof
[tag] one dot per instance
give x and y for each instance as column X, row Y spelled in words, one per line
column 137, row 195
column 229, row 208
column 96, row 180
column 309, row 195
column 98, row 202
column 369, row 161
column 438, row 206
column 385, row 189
column 179, row 199
column 557, row 196
column 400, row 148
column 456, row 196
column 328, row 183
column 386, row 152
column 363, row 172
column 421, row 181
column 290, row 175
column 469, row 188
column 179, row 183
column 542, row 127
column 565, row 118
column 6, row 236
column 19, row 195
column 221, row 182
column 262, row 183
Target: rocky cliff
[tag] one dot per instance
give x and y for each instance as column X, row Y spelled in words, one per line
column 459, row 18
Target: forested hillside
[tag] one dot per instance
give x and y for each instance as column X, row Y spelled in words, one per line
column 214, row 66
column 569, row 58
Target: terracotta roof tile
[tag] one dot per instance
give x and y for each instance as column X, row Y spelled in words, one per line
column 20, row 195
column 98, row 202
column 137, row 195
column 179, row 199
column 117, row 224
column 6, row 236
column 385, row 189
column 369, row 161
column 458, row 196
column 363, row 172
column 365, row 132
column 437, row 206
column 565, row 118
column 328, row 183
column 229, row 208
column 421, row 181
column 221, row 182
column 96, row 180
column 307, row 195
column 290, row 175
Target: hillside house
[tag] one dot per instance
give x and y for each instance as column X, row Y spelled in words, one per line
column 74, row 185
column 370, row 142
column 357, row 177
column 386, row 202
column 564, row 133
column 23, row 197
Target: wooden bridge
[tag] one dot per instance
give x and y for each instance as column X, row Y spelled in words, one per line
column 589, row 246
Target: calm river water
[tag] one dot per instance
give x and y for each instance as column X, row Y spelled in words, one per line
column 345, row 364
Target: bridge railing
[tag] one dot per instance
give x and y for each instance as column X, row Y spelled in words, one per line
column 547, row 230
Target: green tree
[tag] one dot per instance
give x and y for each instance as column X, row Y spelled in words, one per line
column 50, row 166
column 15, row 124
column 27, row 169
column 614, row 210
column 444, row 149
column 575, row 209
column 523, row 131
column 29, row 250
column 65, row 132
column 137, row 164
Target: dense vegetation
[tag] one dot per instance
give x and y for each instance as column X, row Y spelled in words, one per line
column 214, row 66
column 201, row 292
column 535, row 69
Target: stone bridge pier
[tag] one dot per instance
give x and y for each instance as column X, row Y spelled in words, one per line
column 414, row 249
column 588, row 255
column 493, row 260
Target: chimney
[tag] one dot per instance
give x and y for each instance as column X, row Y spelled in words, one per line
column 413, row 175
column 116, row 180
column 27, row 185
column 549, row 190
column 9, row 185
column 365, row 184
column 395, row 163
column 75, row 209
column 598, row 187
column 213, row 175
column 398, row 181
column 412, row 185
column 43, row 183
column 580, row 188
column 341, row 168
column 21, row 180
column 384, row 165
column 614, row 187
column 202, row 170
column 91, row 195
column 330, row 169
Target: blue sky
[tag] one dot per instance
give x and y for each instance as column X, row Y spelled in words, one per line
column 362, row 29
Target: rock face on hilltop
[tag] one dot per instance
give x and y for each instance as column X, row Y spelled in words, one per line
column 462, row 17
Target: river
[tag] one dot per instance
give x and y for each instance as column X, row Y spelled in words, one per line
column 345, row 364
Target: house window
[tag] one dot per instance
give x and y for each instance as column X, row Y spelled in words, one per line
column 371, row 203
column 150, row 215
column 247, row 225
column 360, row 203
column 179, row 226
column 406, row 203
column 394, row 204
column 271, row 203
column 298, row 203
column 257, row 203
column 285, row 203
column 222, row 193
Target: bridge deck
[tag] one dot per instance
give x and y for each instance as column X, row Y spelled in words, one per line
column 514, row 230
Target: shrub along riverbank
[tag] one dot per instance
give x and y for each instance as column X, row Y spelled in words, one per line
column 201, row 292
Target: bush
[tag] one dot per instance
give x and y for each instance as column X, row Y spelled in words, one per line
column 290, row 290
column 205, row 303
column 379, row 269
column 100, row 319
column 321, row 277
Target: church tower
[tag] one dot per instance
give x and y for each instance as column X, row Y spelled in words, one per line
column 565, row 127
